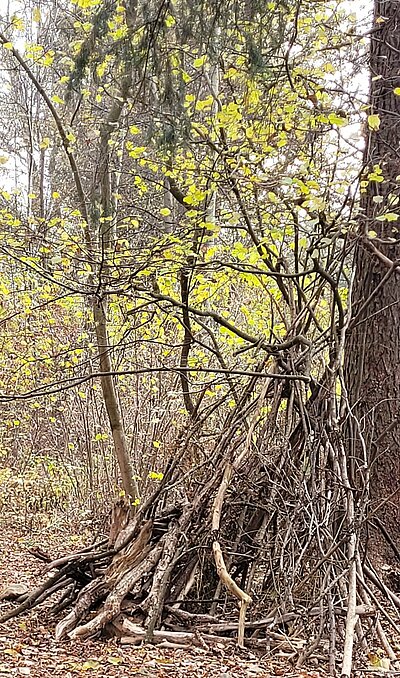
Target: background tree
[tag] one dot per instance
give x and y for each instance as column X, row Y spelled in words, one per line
column 210, row 164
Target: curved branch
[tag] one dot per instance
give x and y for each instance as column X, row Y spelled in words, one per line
column 223, row 322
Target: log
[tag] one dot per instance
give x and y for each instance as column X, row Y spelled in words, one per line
column 13, row 591
column 215, row 626
column 112, row 605
column 36, row 597
column 136, row 634
column 119, row 520
column 155, row 600
column 86, row 599
column 130, row 556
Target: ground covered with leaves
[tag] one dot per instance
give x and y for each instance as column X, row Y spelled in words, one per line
column 28, row 648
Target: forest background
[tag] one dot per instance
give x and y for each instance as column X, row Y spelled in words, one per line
column 198, row 256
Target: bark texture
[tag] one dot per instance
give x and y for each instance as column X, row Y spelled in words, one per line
column 372, row 364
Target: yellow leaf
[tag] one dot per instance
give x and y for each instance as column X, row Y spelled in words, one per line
column 198, row 63
column 396, row 91
column 374, row 122
column 101, row 69
column 374, row 659
column 87, row 4
column 7, row 45
column 136, row 152
column 153, row 475
column 91, row 664
column 3, row 159
column 18, row 23
column 165, row 212
column 48, row 58
column 336, row 119
column 194, row 196
column 57, row 99
column 170, row 21
column 36, row 15
column 204, row 103
column 230, row 73
column 115, row 660
column 389, row 216
column 45, row 143
column 12, row 652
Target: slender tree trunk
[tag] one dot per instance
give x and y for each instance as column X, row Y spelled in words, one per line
column 107, row 242
column 372, row 364
column 111, row 402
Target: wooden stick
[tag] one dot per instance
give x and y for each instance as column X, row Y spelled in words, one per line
column 223, row 573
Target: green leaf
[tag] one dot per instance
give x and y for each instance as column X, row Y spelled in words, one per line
column 338, row 120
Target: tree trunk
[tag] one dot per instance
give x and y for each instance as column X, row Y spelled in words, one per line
column 111, row 402
column 372, row 363
column 107, row 242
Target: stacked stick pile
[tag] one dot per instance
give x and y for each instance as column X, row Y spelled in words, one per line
column 262, row 543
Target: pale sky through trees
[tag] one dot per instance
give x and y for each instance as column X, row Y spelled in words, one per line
column 13, row 173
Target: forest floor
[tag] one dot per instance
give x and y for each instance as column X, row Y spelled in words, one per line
column 28, row 648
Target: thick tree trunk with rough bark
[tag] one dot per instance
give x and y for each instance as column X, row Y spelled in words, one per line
column 372, row 364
